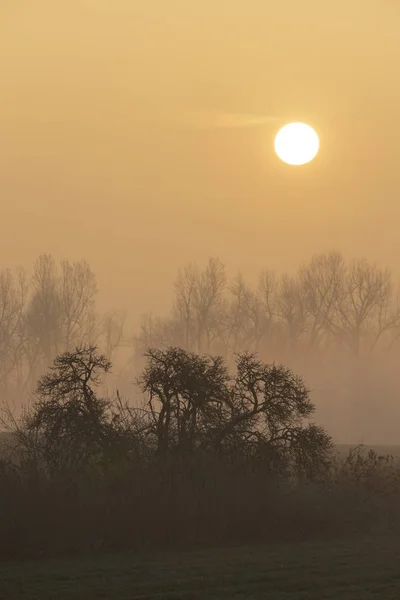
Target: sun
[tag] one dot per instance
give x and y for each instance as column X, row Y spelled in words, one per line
column 296, row 143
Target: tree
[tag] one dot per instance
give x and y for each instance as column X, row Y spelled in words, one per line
column 237, row 330
column 365, row 310
column 292, row 308
column 270, row 409
column 184, row 309
column 154, row 333
column 78, row 289
column 60, row 313
column 265, row 324
column 113, row 330
column 198, row 304
column 183, row 389
column 74, row 425
column 264, row 410
column 13, row 294
column 208, row 303
column 198, row 319
column 322, row 281
column 44, row 315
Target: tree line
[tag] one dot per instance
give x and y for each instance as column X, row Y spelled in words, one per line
column 46, row 313
column 192, row 405
column 329, row 305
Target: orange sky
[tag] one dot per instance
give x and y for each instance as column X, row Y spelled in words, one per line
column 101, row 155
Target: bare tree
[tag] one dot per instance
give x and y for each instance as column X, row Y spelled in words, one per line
column 264, row 410
column 78, row 289
column 322, row 281
column 44, row 319
column 13, row 295
column 236, row 331
column 60, row 313
column 185, row 289
column 73, row 424
column 365, row 309
column 250, row 314
column 269, row 411
column 207, row 301
column 292, row 308
column 199, row 305
column 265, row 311
column 113, row 329
column 182, row 388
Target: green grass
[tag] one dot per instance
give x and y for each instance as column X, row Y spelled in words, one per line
column 359, row 569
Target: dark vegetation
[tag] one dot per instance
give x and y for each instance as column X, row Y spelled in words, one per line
column 209, row 458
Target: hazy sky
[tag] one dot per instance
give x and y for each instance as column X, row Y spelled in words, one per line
column 104, row 154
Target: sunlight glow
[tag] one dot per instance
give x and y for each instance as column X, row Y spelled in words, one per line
column 296, row 144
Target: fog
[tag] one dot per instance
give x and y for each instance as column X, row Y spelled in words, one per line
column 112, row 150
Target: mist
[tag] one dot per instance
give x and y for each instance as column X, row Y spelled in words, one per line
column 110, row 151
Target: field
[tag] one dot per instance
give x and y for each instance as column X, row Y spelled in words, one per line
column 348, row 570
column 355, row 568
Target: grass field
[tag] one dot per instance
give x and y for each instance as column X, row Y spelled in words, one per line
column 358, row 569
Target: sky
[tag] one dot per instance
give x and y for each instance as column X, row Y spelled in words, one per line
column 110, row 148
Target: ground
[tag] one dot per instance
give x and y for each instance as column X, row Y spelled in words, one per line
column 359, row 569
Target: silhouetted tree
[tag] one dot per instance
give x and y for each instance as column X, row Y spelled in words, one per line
column 262, row 411
column 268, row 415
column 73, row 424
column 183, row 389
